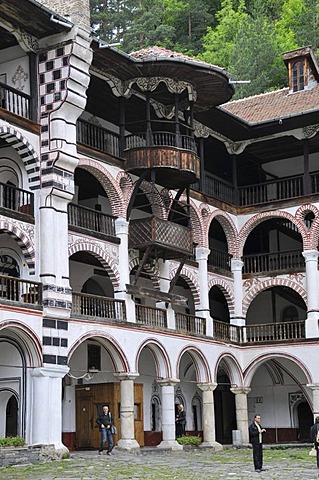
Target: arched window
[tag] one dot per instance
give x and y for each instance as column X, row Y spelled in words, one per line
column 156, row 414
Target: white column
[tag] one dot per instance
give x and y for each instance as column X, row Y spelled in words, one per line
column 203, row 310
column 236, row 268
column 168, row 414
column 209, row 435
column 163, row 267
column 242, row 411
column 47, row 407
column 122, row 230
column 311, row 259
column 127, row 440
column 315, row 398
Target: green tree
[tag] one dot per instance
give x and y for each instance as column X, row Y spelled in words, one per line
column 110, row 19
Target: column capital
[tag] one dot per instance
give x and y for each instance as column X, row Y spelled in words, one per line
column 201, row 253
column 54, row 371
column 168, row 382
column 239, row 390
column 121, row 225
column 310, row 255
column 126, row 375
column 207, row 387
column 236, row 264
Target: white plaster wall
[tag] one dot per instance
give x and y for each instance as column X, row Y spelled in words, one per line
column 11, row 59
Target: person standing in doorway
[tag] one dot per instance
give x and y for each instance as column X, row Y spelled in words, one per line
column 256, row 439
column 180, row 421
column 105, row 422
column 314, row 436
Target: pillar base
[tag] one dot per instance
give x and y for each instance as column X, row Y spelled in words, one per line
column 170, row 445
column 128, row 445
column 217, row 447
column 55, row 451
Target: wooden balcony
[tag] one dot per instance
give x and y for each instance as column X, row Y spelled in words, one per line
column 97, row 137
column 15, row 101
column 98, row 307
column 219, row 261
column 274, row 262
column 174, row 157
column 264, row 333
column 91, row 220
column 21, row 291
column 151, row 316
column 169, row 239
column 190, row 324
column 15, row 199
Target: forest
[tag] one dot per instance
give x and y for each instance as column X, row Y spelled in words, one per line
column 246, row 37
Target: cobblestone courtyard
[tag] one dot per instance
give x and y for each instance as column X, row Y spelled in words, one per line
column 291, row 463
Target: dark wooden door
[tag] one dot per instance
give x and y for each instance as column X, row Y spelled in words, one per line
column 84, row 423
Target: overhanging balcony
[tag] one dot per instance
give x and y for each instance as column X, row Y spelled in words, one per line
column 167, row 239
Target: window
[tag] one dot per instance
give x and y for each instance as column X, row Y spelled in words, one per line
column 94, row 357
column 298, row 79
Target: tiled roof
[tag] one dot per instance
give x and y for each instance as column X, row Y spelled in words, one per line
column 160, row 52
column 274, row 105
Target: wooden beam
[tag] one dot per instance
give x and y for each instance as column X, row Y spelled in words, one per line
column 156, row 295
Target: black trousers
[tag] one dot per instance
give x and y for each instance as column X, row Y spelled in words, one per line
column 258, row 455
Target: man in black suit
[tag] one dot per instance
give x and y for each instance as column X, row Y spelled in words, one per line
column 256, row 438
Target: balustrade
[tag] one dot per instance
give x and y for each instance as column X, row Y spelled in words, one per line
column 271, row 262
column 151, row 316
column 91, row 219
column 16, row 199
column 190, row 324
column 225, row 332
column 98, row 137
column 15, row 101
column 19, row 290
column 287, row 331
column 220, row 260
column 96, row 306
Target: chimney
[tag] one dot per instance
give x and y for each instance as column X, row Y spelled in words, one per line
column 78, row 11
column 303, row 69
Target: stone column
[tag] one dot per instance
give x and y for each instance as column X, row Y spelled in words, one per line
column 209, row 435
column 163, row 267
column 122, row 230
column 127, row 440
column 242, row 411
column 203, row 310
column 168, row 414
column 47, row 406
column 311, row 259
column 315, row 398
column 236, row 268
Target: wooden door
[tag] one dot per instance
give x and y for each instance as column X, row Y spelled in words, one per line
column 84, row 422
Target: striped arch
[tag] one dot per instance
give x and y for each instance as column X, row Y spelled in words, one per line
column 227, row 291
column 231, row 366
column 25, row 151
column 254, row 288
column 23, row 240
column 258, row 361
column 160, row 355
column 228, row 226
column 109, row 184
column 201, row 366
column 154, row 274
column 101, row 255
column 118, row 358
column 197, row 224
column 191, row 281
column 311, row 242
column 261, row 217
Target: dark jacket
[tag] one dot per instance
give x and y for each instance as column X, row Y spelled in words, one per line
column 313, row 432
column 254, row 433
column 106, row 420
column 181, row 418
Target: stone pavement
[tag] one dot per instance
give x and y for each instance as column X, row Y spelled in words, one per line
column 199, row 464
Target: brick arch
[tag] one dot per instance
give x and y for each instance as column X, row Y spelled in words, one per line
column 191, row 282
column 23, row 241
column 227, row 291
column 313, row 232
column 25, row 151
column 197, row 223
column 101, row 255
column 229, row 228
column 153, row 273
column 258, row 287
column 254, row 221
column 150, row 191
column 109, row 184
column 125, row 183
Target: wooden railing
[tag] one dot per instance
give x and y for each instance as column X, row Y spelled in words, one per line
column 98, row 137
column 96, row 306
column 19, row 290
column 272, row 262
column 220, row 260
column 160, row 139
column 218, row 189
column 225, row 332
column 14, row 198
column 275, row 332
column 190, row 324
column 91, row 219
column 15, row 101
column 151, row 316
